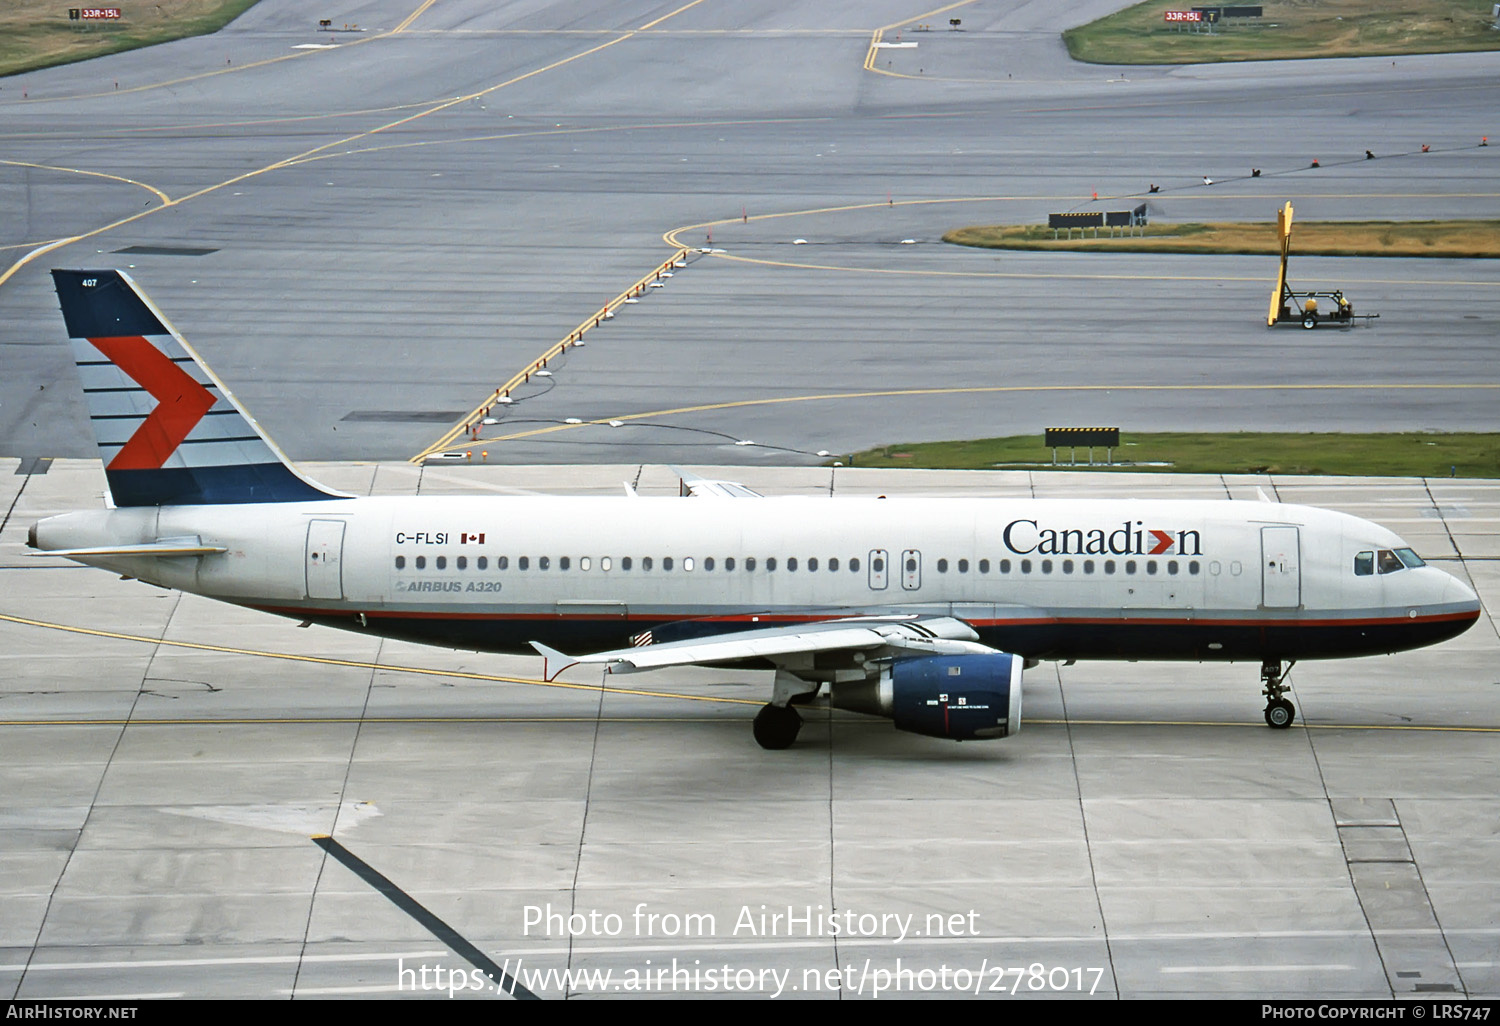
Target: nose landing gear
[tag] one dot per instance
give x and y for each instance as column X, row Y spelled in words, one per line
column 1280, row 713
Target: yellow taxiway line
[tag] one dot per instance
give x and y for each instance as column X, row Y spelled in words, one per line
column 363, row 665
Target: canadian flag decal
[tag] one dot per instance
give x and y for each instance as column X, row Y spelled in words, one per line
column 465, row 539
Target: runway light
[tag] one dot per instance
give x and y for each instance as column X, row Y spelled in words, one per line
column 505, row 400
column 799, row 242
column 824, row 452
column 617, row 423
column 572, row 420
column 655, row 285
column 744, row 441
column 544, row 374
column 908, row 242
column 488, row 421
column 683, row 263
column 632, row 299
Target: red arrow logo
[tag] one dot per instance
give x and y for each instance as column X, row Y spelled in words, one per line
column 180, row 401
column 1163, row 542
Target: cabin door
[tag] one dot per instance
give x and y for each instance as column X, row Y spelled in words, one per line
column 1280, row 568
column 325, row 559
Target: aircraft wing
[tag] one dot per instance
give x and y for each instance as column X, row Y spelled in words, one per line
column 697, row 485
column 943, row 635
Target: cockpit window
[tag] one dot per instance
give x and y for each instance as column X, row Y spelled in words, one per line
column 1388, row 561
column 1364, row 564
column 1409, row 559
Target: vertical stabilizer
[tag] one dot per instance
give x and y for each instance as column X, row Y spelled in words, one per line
column 169, row 431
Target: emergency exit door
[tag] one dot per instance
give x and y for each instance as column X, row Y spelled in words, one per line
column 325, row 558
column 1280, row 569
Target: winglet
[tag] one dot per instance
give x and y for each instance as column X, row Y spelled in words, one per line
column 550, row 656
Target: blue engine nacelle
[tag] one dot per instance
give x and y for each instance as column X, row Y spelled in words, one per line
column 961, row 697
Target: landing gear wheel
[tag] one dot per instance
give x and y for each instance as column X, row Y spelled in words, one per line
column 1309, row 322
column 776, row 727
column 1280, row 713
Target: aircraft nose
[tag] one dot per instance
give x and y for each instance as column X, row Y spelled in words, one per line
column 1459, row 594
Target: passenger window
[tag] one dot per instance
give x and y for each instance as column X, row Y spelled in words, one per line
column 833, row 565
column 1364, row 564
column 625, row 562
column 604, row 563
column 482, row 563
column 1088, row 566
column 728, row 562
column 1025, row 566
column 462, row 562
column 942, row 566
column 708, row 564
column 854, row 566
column 666, row 563
column 645, row 562
column 563, row 563
column 812, row 564
column 791, row 564
column 963, row 566
column 543, row 562
column 770, row 564
column 687, row 564
column 583, row 563
column 502, row 562
column 984, row 566
column 1067, row 566
column 1005, row 566
column 400, row 562
column 421, row 562
column 442, row 563
column 749, row 564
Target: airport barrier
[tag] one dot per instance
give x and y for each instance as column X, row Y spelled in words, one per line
column 1074, row 438
column 1097, row 219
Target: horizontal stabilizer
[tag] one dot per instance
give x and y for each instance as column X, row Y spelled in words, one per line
column 162, row 548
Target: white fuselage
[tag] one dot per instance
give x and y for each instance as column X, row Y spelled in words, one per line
column 1043, row 578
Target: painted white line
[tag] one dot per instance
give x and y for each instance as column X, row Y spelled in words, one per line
column 1255, row 968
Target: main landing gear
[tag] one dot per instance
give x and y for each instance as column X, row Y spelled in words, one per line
column 777, row 724
column 1279, row 709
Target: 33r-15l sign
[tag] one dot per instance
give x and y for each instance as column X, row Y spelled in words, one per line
column 93, row 13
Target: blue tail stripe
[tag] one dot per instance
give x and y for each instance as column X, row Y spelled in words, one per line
column 208, row 486
column 98, row 304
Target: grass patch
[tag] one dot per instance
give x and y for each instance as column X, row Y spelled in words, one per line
column 37, row 33
column 1309, row 238
column 1289, row 29
column 1363, row 455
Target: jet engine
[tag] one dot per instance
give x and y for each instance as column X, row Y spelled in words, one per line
column 960, row 697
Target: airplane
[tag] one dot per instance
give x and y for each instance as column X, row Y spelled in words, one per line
column 922, row 610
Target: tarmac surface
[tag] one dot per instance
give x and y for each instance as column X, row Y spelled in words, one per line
column 365, row 240
column 165, row 762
